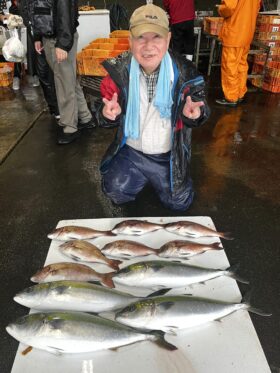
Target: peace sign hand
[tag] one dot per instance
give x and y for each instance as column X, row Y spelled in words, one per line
column 191, row 108
column 111, row 107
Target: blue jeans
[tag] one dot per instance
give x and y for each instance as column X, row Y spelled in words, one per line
column 130, row 170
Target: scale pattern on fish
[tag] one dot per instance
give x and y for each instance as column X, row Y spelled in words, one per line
column 71, row 271
column 73, row 232
column 185, row 249
column 195, row 230
column 127, row 249
column 136, row 227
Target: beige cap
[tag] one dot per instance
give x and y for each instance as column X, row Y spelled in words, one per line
column 149, row 18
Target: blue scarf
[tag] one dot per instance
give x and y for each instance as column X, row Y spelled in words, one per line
column 163, row 99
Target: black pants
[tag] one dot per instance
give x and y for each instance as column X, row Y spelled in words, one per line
column 182, row 37
column 37, row 65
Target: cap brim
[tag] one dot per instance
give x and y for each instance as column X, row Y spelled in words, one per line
column 139, row 30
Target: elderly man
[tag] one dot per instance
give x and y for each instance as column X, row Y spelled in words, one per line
column 155, row 99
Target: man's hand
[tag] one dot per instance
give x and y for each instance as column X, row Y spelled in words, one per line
column 111, row 107
column 38, row 47
column 61, row 55
column 191, row 109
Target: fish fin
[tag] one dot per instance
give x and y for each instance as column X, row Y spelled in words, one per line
column 226, row 235
column 107, row 280
column 161, row 342
column 109, row 233
column 171, row 330
column 231, row 272
column 218, row 320
column 27, row 350
column 246, row 300
column 216, row 246
column 114, row 264
column 159, row 293
column 114, row 349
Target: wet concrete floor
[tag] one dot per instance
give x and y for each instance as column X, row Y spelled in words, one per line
column 235, row 168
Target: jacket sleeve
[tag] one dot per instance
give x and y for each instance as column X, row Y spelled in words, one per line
column 197, row 94
column 107, row 88
column 64, row 26
column 227, row 8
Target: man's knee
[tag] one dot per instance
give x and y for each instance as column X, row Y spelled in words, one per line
column 112, row 190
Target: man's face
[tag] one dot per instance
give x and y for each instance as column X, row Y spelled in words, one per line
column 149, row 49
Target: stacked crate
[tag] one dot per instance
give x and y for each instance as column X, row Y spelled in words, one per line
column 6, row 73
column 90, row 58
column 268, row 32
column 212, row 25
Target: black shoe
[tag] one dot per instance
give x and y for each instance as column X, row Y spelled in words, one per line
column 224, row 101
column 88, row 125
column 67, row 138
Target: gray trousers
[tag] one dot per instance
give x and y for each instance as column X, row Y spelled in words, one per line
column 70, row 98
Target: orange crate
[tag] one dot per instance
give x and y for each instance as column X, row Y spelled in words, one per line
column 6, row 73
column 266, row 27
column 264, row 18
column 119, row 34
column 93, row 67
column 213, row 25
column 271, row 87
column 100, row 53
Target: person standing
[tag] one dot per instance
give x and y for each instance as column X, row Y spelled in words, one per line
column 236, row 35
column 181, row 18
column 60, row 46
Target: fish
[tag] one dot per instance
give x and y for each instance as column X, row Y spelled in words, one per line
column 158, row 274
column 73, row 232
column 195, row 230
column 185, row 249
column 136, row 227
column 127, row 249
column 75, row 296
column 78, row 332
column 71, row 271
column 85, row 251
column 172, row 313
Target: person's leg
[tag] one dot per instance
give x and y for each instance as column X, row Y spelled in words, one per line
column 231, row 57
column 243, row 72
column 177, row 43
column 123, row 180
column 188, row 38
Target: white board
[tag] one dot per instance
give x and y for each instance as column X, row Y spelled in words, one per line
column 230, row 346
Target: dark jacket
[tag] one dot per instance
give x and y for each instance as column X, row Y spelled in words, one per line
column 59, row 17
column 187, row 81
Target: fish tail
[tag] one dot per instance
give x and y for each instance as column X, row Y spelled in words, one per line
column 231, row 272
column 216, row 246
column 161, row 341
column 257, row 311
column 226, row 235
column 107, row 280
column 114, row 264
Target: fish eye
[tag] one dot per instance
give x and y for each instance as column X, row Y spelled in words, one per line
column 20, row 320
column 30, row 289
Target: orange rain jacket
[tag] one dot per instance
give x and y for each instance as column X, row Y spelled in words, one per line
column 239, row 21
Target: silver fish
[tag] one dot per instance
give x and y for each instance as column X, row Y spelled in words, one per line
column 156, row 274
column 136, row 227
column 77, row 332
column 127, row 249
column 171, row 313
column 73, row 232
column 71, row 271
column 185, row 249
column 85, row 251
column 195, row 230
column 73, row 296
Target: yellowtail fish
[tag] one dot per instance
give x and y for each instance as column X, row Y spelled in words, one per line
column 195, row 230
column 72, row 271
column 127, row 249
column 185, row 249
column 85, row 251
column 171, row 313
column 78, row 332
column 73, row 232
